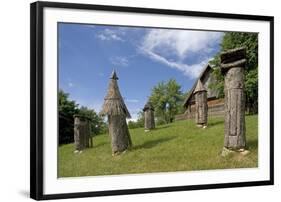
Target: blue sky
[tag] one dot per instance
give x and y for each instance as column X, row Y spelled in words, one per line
column 142, row 57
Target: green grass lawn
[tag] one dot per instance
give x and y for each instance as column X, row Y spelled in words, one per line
column 179, row 146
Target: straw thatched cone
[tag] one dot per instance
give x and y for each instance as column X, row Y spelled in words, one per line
column 149, row 122
column 117, row 112
column 201, row 106
column 233, row 67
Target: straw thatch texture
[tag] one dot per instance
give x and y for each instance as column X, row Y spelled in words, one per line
column 233, row 65
column 116, row 110
column 113, row 101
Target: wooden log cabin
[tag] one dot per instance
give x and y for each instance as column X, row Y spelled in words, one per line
column 215, row 104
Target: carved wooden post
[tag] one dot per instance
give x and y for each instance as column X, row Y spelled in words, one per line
column 86, row 132
column 149, row 122
column 201, row 106
column 232, row 66
column 77, row 134
column 81, row 132
column 116, row 110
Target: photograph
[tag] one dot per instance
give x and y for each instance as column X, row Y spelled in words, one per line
column 139, row 100
column 131, row 100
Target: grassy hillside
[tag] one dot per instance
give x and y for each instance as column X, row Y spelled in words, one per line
column 179, row 146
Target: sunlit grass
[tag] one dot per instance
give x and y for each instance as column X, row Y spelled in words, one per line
column 179, row 146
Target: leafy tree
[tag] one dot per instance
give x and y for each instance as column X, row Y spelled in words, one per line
column 96, row 122
column 67, row 109
column 250, row 42
column 166, row 97
column 139, row 123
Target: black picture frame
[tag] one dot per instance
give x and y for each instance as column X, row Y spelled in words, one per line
column 36, row 98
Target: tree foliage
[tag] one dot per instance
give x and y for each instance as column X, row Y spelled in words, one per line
column 166, row 97
column 97, row 123
column 139, row 123
column 67, row 109
column 250, row 42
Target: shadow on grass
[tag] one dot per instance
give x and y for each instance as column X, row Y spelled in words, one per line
column 214, row 123
column 152, row 143
column 99, row 145
column 161, row 127
column 252, row 144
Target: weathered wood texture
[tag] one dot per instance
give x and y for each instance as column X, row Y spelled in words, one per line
column 215, row 109
column 81, row 133
column 114, row 107
column 201, row 107
column 120, row 136
column 149, row 122
column 232, row 66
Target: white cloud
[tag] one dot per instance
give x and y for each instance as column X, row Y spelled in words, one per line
column 189, row 70
column 160, row 45
column 180, row 41
column 119, row 61
column 110, row 34
column 134, row 114
column 131, row 119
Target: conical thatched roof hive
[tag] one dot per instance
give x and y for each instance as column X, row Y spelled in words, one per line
column 199, row 87
column 201, row 106
column 113, row 101
column 117, row 112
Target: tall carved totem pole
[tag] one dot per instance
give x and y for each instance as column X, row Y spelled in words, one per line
column 233, row 67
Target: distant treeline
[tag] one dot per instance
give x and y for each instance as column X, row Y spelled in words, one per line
column 67, row 108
